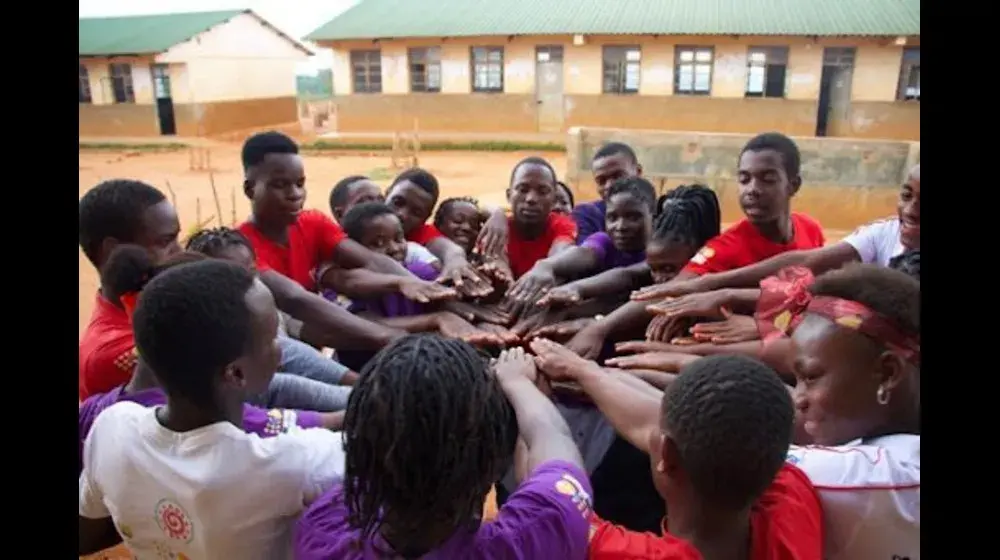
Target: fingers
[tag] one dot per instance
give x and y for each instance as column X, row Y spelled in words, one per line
column 639, row 346
column 622, row 361
column 649, row 293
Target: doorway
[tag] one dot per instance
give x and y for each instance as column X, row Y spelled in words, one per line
column 549, row 88
column 164, row 100
column 832, row 118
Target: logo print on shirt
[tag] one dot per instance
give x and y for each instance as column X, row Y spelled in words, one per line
column 570, row 486
column 279, row 421
column 174, row 521
column 792, row 459
column 701, row 257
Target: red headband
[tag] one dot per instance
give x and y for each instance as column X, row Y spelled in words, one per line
column 785, row 299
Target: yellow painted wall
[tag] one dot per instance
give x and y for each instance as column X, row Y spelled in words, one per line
column 876, row 74
column 99, row 74
column 238, row 60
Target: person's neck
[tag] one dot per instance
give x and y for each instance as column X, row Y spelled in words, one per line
column 113, row 300
column 779, row 231
column 530, row 231
column 275, row 232
column 718, row 535
column 142, row 379
column 904, row 418
column 182, row 415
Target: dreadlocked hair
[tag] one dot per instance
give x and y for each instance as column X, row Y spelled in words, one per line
column 214, row 241
column 446, row 204
column 689, row 214
column 428, row 430
column 130, row 267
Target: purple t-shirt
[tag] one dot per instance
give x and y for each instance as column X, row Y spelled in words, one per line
column 264, row 423
column 608, row 256
column 589, row 218
column 395, row 305
column 547, row 517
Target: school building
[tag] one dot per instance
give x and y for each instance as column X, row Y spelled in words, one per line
column 847, row 68
column 189, row 74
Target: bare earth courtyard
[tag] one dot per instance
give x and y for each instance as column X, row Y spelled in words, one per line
column 483, row 175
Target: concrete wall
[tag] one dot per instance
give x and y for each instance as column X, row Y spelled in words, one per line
column 874, row 112
column 235, row 76
column 845, row 181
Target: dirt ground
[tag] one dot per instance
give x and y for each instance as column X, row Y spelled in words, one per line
column 480, row 174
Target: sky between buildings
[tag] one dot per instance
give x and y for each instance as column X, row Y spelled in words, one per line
column 294, row 17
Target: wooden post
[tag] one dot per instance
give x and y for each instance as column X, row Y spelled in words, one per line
column 232, row 200
column 197, row 211
column 173, row 195
column 215, row 196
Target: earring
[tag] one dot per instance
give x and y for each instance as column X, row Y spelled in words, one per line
column 882, row 395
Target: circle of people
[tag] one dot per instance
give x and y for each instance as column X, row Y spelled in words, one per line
column 632, row 380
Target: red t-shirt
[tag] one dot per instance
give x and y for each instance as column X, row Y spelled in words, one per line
column 786, row 523
column 311, row 242
column 522, row 254
column 743, row 245
column 424, row 234
column 107, row 350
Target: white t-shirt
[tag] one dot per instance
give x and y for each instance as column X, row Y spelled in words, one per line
column 214, row 492
column 870, row 493
column 416, row 252
column 877, row 242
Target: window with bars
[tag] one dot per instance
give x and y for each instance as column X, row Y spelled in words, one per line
column 366, row 71
column 425, row 69
column 121, row 83
column 85, row 85
column 693, row 70
column 487, row 69
column 621, row 69
column 766, row 68
column 909, row 75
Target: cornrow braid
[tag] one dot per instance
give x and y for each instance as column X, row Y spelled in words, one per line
column 215, row 240
column 428, row 430
column 446, row 204
column 689, row 214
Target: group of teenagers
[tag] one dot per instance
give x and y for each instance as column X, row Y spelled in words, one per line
column 632, row 380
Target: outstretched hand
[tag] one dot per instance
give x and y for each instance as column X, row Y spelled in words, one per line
column 558, row 362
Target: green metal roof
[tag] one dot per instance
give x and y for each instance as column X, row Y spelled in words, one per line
column 371, row 19
column 145, row 34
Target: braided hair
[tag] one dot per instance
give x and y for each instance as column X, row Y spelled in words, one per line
column 214, row 241
column 428, row 430
column 689, row 214
column 130, row 267
column 445, row 207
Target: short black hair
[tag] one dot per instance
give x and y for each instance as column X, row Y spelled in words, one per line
column 421, row 178
column 214, row 241
column 114, row 208
column 130, row 267
column 258, row 146
column 891, row 293
column 778, row 142
column 358, row 217
column 427, row 432
column 342, row 190
column 191, row 322
column 637, row 187
column 533, row 160
column 616, row 149
column 731, row 419
column 568, row 191
column 445, row 207
column 689, row 214
column 908, row 262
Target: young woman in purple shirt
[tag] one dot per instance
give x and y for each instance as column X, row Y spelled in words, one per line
column 430, row 427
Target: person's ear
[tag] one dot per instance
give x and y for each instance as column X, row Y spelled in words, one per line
column 794, row 183
column 508, row 193
column 248, row 188
column 891, row 370
column 638, row 170
column 233, row 375
column 670, row 457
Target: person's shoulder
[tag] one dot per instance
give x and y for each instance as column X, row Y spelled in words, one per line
column 119, row 416
column 886, row 463
column 608, row 541
column 791, row 490
column 806, row 221
column 248, row 229
column 561, row 220
column 556, row 482
column 314, row 218
column 323, row 531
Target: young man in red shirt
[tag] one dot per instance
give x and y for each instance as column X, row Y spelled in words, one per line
column 115, row 212
column 291, row 244
column 412, row 196
column 769, row 176
column 717, row 439
column 535, row 231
